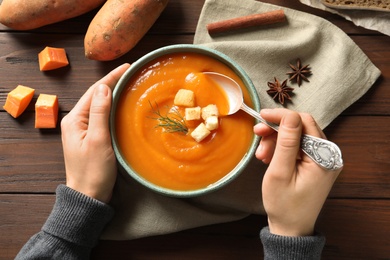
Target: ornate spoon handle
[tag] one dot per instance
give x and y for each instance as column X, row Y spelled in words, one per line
column 325, row 153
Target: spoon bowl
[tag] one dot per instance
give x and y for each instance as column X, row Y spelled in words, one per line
column 325, row 153
column 235, row 96
column 231, row 89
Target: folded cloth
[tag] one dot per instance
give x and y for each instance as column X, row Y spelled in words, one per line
column 341, row 74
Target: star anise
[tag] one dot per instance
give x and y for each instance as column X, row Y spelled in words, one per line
column 299, row 73
column 279, row 91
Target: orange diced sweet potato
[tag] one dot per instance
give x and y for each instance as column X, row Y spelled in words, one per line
column 18, row 100
column 52, row 58
column 46, row 111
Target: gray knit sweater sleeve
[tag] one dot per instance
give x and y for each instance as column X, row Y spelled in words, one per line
column 289, row 248
column 76, row 222
column 72, row 229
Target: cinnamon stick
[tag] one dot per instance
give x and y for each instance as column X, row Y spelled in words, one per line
column 271, row 17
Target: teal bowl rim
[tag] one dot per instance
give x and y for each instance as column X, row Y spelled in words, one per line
column 122, row 83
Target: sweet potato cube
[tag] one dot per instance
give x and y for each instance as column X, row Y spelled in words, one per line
column 46, row 111
column 18, row 99
column 52, row 58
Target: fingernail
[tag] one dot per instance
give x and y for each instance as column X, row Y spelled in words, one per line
column 101, row 90
column 291, row 121
column 266, row 111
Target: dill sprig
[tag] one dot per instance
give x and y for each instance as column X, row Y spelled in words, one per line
column 172, row 122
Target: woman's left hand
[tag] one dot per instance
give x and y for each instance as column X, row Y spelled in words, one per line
column 90, row 162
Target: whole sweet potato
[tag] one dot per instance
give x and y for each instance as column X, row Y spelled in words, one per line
column 118, row 27
column 31, row 14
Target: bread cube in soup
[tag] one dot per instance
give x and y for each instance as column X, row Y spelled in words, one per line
column 184, row 97
column 211, row 123
column 192, row 113
column 210, row 110
column 200, row 132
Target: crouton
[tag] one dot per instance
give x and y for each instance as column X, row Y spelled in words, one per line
column 192, row 113
column 184, row 97
column 211, row 123
column 210, row 110
column 200, row 132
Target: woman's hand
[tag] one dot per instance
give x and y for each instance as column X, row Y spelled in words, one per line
column 90, row 162
column 294, row 187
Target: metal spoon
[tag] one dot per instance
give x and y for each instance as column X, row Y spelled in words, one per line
column 325, row 153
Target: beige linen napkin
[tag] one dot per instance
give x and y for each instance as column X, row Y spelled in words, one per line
column 341, row 74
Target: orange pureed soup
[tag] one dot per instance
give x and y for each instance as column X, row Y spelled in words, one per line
column 174, row 160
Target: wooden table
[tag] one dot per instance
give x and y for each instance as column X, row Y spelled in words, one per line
column 355, row 219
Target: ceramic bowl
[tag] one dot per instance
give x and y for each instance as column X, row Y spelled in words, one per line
column 127, row 169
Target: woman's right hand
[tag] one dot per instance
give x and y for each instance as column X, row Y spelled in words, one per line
column 294, row 187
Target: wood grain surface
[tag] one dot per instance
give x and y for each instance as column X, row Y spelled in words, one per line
column 355, row 218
